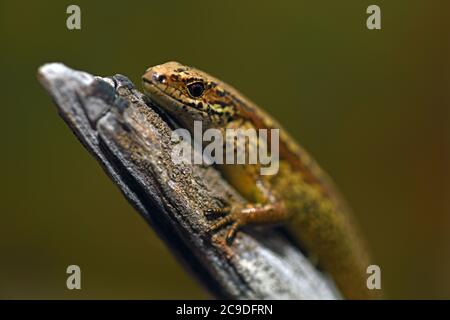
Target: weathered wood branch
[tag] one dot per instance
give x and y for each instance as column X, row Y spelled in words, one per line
column 131, row 140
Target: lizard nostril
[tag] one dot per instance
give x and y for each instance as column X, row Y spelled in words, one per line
column 159, row 77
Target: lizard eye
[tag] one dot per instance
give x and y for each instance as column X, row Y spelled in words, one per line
column 196, row 89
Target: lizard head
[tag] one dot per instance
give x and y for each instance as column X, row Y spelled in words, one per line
column 189, row 95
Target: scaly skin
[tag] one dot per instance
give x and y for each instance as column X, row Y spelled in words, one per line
column 300, row 194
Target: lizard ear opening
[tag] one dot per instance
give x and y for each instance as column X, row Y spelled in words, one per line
column 196, row 89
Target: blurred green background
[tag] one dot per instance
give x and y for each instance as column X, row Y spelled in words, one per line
column 371, row 106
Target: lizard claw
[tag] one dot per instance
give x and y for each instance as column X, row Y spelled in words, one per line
column 232, row 232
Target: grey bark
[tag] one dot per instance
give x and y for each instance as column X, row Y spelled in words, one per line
column 130, row 138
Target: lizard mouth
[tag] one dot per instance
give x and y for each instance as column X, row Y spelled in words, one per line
column 161, row 97
column 180, row 114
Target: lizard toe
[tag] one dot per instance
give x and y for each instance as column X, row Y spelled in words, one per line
column 217, row 211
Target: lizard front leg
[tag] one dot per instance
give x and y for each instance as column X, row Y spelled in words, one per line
column 256, row 213
column 264, row 207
